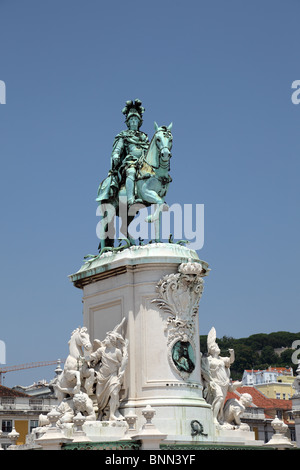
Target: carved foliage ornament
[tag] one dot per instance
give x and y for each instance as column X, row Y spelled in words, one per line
column 178, row 296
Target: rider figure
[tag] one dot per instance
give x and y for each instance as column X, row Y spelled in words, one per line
column 128, row 148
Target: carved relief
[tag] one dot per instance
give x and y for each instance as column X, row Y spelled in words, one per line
column 178, row 296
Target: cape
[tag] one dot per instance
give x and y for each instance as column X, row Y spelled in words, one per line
column 132, row 137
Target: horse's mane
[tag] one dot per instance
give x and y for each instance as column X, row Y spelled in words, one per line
column 151, row 156
column 80, row 329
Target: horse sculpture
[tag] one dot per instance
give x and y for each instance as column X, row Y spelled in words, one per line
column 75, row 368
column 152, row 184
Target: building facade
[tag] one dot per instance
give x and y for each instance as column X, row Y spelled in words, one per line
column 21, row 411
column 270, row 375
column 262, row 412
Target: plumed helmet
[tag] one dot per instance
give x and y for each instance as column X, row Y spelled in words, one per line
column 133, row 108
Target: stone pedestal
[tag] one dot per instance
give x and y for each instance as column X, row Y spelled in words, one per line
column 157, row 289
column 53, row 438
column 148, row 435
column 279, row 440
column 296, row 416
column 296, row 405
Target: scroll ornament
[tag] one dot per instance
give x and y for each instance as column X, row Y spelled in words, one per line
column 178, row 296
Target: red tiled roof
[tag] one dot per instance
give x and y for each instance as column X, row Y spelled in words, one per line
column 280, row 369
column 271, row 369
column 9, row 392
column 260, row 400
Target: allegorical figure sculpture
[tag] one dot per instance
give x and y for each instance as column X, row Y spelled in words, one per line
column 112, row 355
column 92, row 377
column 216, row 377
column 234, row 409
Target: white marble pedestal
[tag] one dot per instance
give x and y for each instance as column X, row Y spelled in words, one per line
column 124, row 284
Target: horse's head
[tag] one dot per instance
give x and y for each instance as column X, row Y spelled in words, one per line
column 82, row 338
column 163, row 141
column 159, row 152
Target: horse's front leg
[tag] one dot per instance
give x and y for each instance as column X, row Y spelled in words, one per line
column 156, row 219
column 156, row 216
column 105, row 228
column 77, row 387
column 151, row 196
column 160, row 206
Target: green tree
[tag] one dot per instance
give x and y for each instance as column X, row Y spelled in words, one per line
column 257, row 341
column 245, row 358
column 285, row 358
column 269, row 356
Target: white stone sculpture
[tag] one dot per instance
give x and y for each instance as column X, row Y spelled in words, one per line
column 84, row 404
column 110, row 360
column 279, row 440
column 66, row 410
column 75, row 368
column 149, row 435
column 13, row 436
column 234, row 409
column 216, row 377
column 92, row 377
column 69, row 407
column 179, row 296
column 53, row 437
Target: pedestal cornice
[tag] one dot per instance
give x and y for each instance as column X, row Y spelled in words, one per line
column 115, row 263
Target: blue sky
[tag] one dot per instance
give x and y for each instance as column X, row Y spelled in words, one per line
column 222, row 72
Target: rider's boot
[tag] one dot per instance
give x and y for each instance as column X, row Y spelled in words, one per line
column 130, row 186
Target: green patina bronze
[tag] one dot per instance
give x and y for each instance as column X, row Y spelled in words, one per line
column 128, row 148
column 183, row 356
column 138, row 176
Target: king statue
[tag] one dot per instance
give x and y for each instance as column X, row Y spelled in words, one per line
column 128, row 148
column 138, row 177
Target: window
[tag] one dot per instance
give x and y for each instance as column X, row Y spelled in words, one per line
column 279, row 414
column 7, row 401
column 35, row 401
column 283, row 396
column 266, row 436
column 7, row 425
column 277, row 395
column 34, row 423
